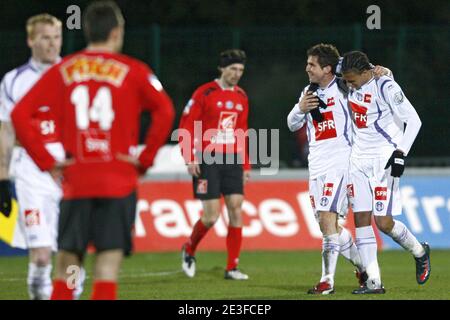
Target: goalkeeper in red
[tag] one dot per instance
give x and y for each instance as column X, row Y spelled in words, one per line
column 96, row 96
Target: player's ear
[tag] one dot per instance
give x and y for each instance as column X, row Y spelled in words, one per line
column 30, row 42
column 327, row 69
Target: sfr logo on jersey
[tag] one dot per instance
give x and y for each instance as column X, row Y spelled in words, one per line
column 359, row 115
column 32, row 217
column 94, row 145
column 328, row 189
column 380, row 193
column 327, row 128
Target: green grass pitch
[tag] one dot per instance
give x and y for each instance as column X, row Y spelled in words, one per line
column 273, row 275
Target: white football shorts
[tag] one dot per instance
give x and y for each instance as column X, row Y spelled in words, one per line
column 38, row 196
column 372, row 188
column 329, row 193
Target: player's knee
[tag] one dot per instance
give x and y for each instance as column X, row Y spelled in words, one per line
column 384, row 226
column 209, row 221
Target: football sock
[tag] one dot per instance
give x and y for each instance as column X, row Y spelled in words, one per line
column 406, row 239
column 104, row 290
column 349, row 250
column 197, row 235
column 234, row 241
column 61, row 291
column 367, row 247
column 39, row 281
column 330, row 254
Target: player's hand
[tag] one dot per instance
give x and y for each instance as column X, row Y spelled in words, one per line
column 129, row 159
column 57, row 171
column 5, row 197
column 246, row 176
column 380, row 71
column 194, row 169
column 308, row 102
column 397, row 162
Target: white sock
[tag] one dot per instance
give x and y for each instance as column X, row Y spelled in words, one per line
column 39, row 281
column 367, row 247
column 406, row 239
column 330, row 254
column 349, row 250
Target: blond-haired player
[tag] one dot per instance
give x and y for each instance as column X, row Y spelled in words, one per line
column 37, row 192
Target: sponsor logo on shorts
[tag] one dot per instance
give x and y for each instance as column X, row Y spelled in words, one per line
column 202, row 186
column 313, row 204
column 324, row 201
column 328, row 189
column 350, row 190
column 380, row 193
column 32, row 217
column 379, row 206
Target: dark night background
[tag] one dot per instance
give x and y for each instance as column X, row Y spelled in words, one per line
column 181, row 41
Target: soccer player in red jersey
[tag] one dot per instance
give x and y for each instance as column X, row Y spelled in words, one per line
column 212, row 136
column 97, row 96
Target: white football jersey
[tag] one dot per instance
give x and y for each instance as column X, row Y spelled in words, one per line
column 379, row 112
column 330, row 140
column 15, row 85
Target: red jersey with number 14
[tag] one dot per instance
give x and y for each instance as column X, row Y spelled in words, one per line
column 97, row 98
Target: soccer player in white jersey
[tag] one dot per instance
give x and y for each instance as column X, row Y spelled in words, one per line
column 329, row 153
column 380, row 144
column 37, row 193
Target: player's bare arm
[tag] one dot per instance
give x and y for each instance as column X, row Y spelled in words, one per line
column 7, row 138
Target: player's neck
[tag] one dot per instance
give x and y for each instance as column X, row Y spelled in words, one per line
column 224, row 85
column 101, row 46
column 42, row 65
column 326, row 81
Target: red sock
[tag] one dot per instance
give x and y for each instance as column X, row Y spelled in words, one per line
column 234, row 241
column 104, row 290
column 197, row 235
column 61, row 291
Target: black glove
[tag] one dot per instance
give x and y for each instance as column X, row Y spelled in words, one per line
column 397, row 161
column 5, row 197
column 315, row 113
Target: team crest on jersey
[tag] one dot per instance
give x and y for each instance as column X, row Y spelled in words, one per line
column 380, row 193
column 359, row 115
column 202, row 186
column 328, row 189
column 379, row 206
column 324, row 201
column 313, row 204
column 219, row 104
column 398, row 97
column 359, row 96
column 227, row 120
column 229, row 105
column 32, row 217
column 239, row 107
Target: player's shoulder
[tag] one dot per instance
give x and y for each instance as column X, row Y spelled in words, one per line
column 241, row 91
column 206, row 89
column 384, row 82
column 16, row 72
